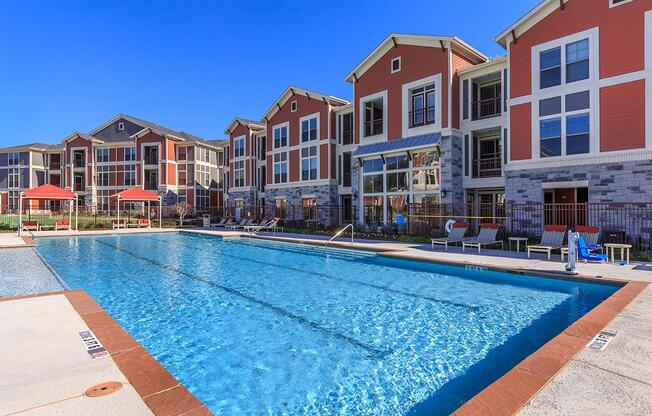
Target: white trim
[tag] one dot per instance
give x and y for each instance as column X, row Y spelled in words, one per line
column 294, row 106
column 450, row 89
column 406, row 103
column 612, row 5
column 316, row 115
column 526, row 22
column 648, row 79
column 378, row 137
column 391, row 65
column 300, row 184
column 580, row 160
column 565, row 184
column 244, row 147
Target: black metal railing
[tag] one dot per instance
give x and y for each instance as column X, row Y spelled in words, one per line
column 422, row 117
column 373, row 127
column 486, row 108
column 487, row 167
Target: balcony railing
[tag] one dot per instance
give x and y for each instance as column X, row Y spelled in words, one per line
column 487, row 167
column 151, row 185
column 347, row 137
column 79, row 163
column 151, row 159
column 374, row 127
column 422, row 117
column 486, row 108
column 346, row 179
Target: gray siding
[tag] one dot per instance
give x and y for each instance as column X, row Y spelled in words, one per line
column 111, row 133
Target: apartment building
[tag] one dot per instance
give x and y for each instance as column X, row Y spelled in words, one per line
column 564, row 117
column 121, row 153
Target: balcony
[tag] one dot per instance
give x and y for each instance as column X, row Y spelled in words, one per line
column 488, row 166
column 373, row 127
column 346, row 179
column 347, row 137
column 151, row 185
column 422, row 117
column 486, row 108
column 151, row 159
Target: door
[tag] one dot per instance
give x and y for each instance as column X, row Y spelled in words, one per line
column 347, row 214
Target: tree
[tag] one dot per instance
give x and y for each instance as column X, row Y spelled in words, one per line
column 182, row 209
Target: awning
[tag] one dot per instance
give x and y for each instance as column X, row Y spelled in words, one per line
column 137, row 194
column 49, row 192
column 408, row 143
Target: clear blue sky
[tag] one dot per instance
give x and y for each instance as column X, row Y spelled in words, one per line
column 194, row 65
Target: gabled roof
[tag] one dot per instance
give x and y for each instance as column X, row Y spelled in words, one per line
column 526, row 22
column 292, row 91
column 149, row 126
column 250, row 124
column 31, row 146
column 77, row 134
column 455, row 43
column 137, row 194
column 49, row 192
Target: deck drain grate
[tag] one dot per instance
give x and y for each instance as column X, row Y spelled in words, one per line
column 601, row 341
column 103, row 389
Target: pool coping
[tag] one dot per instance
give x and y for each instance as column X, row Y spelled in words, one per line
column 159, row 390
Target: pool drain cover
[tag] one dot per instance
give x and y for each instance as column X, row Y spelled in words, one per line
column 103, row 389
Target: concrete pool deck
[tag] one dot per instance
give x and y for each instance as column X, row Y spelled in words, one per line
column 47, row 368
column 572, row 380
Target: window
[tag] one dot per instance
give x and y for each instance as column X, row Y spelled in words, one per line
column 577, row 134
column 614, row 3
column 397, row 181
column 373, row 209
column 422, row 104
column 239, row 174
column 207, row 155
column 121, row 126
column 102, row 176
column 14, row 178
column 262, row 148
column 565, row 125
column 293, row 106
column 181, row 175
column 238, row 147
column 346, row 169
column 130, row 175
column 550, row 133
column 101, row 155
column 372, row 182
column 182, row 153
column 130, row 154
column 396, row 64
column 181, row 196
column 14, row 159
column 280, row 137
column 345, row 129
column 309, row 208
column 202, row 200
column 309, row 163
column 373, row 117
column 280, row 168
column 309, row 129
column 203, row 175
column 550, row 68
column 577, row 61
column 280, row 206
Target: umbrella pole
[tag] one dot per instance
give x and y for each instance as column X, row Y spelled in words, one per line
column 160, row 212
column 20, row 213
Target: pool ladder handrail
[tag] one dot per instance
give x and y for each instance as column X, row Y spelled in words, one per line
column 338, row 234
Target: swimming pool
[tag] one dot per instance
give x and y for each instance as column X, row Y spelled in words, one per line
column 253, row 327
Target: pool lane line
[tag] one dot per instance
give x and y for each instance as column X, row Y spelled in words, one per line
column 371, row 351
column 58, row 278
column 472, row 308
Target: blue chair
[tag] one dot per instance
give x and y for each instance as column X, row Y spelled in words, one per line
column 584, row 252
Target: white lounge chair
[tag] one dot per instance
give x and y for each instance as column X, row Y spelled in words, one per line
column 486, row 237
column 552, row 239
column 219, row 224
column 272, row 225
column 244, row 223
column 228, row 223
column 456, row 235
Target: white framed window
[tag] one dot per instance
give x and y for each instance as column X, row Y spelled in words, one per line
column 130, row 154
column 309, row 163
column 182, row 153
column 238, row 147
column 204, row 175
column 14, row 159
column 280, row 136
column 309, row 128
column 615, row 3
column 182, row 196
column 565, row 125
column 374, row 117
column 565, row 61
column 239, row 174
column 293, row 106
column 102, row 176
column 345, row 128
column 130, row 175
column 121, row 126
column 395, row 65
column 101, row 155
column 280, row 167
column 202, row 199
column 421, row 106
column 14, row 178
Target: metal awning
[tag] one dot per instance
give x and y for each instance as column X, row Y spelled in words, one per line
column 408, row 143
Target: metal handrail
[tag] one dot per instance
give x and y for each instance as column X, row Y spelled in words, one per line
column 338, row 234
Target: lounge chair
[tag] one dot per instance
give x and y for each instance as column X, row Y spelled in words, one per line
column 591, row 236
column 552, row 239
column 272, row 225
column 222, row 223
column 117, row 224
column 29, row 226
column 61, row 225
column 229, row 222
column 455, row 236
column 585, row 253
column 244, row 223
column 486, row 237
column 142, row 222
column 255, row 227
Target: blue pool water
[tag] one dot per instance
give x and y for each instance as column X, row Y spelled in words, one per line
column 254, row 327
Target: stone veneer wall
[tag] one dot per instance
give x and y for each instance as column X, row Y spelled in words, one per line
column 452, row 170
column 326, row 195
column 249, row 197
column 610, row 183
